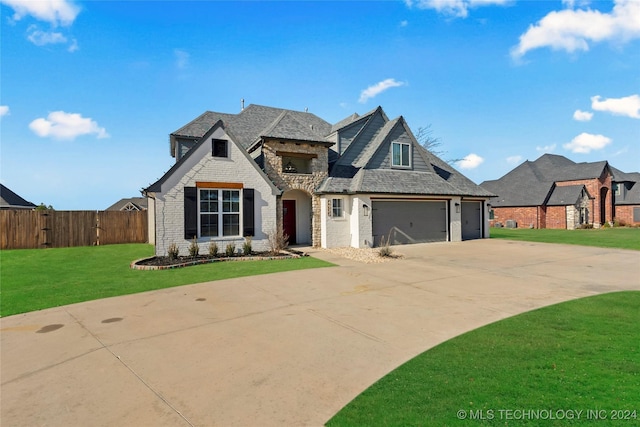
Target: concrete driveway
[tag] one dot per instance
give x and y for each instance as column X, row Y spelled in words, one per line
column 283, row 349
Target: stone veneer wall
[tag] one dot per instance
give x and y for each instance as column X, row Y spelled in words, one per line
column 298, row 181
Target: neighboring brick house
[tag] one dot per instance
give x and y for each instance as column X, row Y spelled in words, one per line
column 266, row 169
column 555, row 192
column 626, row 194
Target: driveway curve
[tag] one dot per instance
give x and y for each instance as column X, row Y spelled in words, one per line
column 282, row 349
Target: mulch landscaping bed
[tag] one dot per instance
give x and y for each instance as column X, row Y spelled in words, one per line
column 164, row 262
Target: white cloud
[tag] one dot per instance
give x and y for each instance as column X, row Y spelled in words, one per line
column 454, row 8
column 546, row 148
column 42, row 38
column 628, row 106
column 404, row 23
column 471, row 161
column 514, row 160
column 55, row 12
column 4, row 110
column 61, row 125
column 74, row 46
column 582, row 116
column 378, row 88
column 572, row 30
column 586, row 142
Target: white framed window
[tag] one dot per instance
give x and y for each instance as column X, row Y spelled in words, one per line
column 219, row 212
column 401, row 155
column 337, row 208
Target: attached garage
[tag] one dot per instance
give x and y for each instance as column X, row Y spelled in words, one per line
column 471, row 220
column 409, row 221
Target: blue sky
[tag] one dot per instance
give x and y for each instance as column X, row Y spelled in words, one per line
column 91, row 90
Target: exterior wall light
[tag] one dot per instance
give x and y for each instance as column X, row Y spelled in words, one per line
column 365, row 210
column 457, row 207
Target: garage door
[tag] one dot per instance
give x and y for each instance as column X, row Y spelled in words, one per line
column 409, row 222
column 471, row 220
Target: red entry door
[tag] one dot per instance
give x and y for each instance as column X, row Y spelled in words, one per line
column 289, row 220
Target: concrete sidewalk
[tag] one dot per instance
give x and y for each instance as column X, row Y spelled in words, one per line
column 282, row 349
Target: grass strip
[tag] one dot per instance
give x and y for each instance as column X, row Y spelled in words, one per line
column 34, row 279
column 619, row 237
column 581, row 355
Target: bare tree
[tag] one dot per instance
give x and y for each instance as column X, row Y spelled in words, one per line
column 431, row 143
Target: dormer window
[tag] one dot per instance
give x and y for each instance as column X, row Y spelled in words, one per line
column 401, row 155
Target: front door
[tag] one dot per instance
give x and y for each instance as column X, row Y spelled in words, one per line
column 289, row 220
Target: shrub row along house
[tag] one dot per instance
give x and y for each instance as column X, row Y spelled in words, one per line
column 353, row 183
column 555, row 192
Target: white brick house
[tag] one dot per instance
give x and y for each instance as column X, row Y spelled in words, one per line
column 356, row 183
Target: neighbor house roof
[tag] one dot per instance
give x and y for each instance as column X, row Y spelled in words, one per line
column 631, row 181
column 10, row 200
column 531, row 183
column 566, row 195
column 131, row 203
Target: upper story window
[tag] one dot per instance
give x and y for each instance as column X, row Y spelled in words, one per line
column 618, row 188
column 220, row 148
column 401, row 155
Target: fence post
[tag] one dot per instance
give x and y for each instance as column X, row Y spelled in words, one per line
column 97, row 229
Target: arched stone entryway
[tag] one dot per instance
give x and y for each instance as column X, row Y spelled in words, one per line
column 297, row 217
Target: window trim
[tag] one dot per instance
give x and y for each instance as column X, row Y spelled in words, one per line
column 409, row 152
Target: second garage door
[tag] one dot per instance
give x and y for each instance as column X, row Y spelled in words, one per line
column 409, row 221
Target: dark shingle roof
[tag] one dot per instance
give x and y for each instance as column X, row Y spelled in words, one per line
column 359, row 177
column 565, row 195
column 138, row 202
column 9, row 200
column 632, row 195
column 530, row 183
column 256, row 121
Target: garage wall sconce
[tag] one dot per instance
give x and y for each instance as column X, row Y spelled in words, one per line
column 365, row 210
column 457, row 207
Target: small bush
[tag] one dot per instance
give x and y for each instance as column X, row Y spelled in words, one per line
column 172, row 251
column 585, row 226
column 213, row 249
column 278, row 241
column 194, row 249
column 246, row 246
column 385, row 248
column 230, row 249
column 619, row 222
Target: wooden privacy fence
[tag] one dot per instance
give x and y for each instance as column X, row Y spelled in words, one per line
column 23, row 229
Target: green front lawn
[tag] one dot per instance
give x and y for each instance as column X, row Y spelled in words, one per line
column 581, row 355
column 33, row 279
column 618, row 237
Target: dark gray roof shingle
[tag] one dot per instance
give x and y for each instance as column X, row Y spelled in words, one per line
column 9, row 199
column 565, row 195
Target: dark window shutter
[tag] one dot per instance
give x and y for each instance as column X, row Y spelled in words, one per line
column 190, row 212
column 248, row 213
